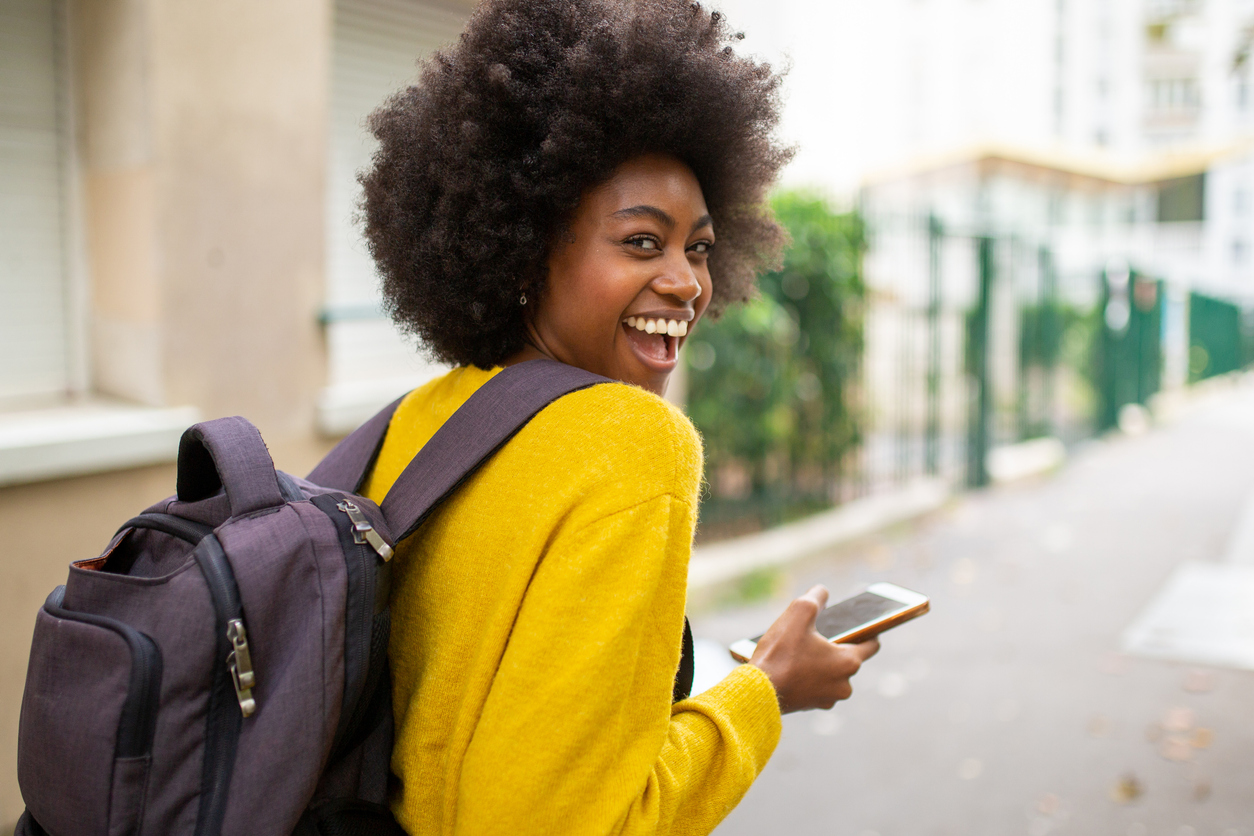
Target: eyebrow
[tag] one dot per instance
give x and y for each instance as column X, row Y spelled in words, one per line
column 664, row 218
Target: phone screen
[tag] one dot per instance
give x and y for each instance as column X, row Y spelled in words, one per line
column 854, row 612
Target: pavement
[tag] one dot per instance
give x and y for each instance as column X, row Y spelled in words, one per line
column 1029, row 701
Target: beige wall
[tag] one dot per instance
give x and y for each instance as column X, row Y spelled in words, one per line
column 201, row 148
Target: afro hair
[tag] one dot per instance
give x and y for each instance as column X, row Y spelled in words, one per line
column 483, row 161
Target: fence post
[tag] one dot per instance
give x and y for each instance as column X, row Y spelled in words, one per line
column 932, row 449
column 1051, row 337
column 981, row 399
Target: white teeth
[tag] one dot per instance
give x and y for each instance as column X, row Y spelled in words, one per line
column 668, row 327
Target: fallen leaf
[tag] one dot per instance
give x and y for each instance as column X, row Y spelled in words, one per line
column 1178, row 719
column 1176, row 748
column 1126, row 790
column 1202, row 738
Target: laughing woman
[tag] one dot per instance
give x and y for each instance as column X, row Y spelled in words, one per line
column 582, row 180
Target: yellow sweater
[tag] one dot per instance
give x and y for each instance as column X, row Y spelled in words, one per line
column 537, row 620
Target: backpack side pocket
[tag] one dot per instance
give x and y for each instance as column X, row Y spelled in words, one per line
column 88, row 717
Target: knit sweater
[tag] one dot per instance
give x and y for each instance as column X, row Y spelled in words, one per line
column 537, row 622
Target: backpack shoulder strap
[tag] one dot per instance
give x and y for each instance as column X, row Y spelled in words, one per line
column 491, row 417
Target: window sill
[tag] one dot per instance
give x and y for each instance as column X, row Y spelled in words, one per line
column 93, row 437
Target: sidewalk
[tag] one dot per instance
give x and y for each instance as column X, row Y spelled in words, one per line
column 1013, row 707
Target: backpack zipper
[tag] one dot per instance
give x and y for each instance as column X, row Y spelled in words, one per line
column 363, row 531
column 222, row 725
column 240, row 664
column 367, row 557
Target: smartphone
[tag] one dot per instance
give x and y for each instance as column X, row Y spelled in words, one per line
column 856, row 619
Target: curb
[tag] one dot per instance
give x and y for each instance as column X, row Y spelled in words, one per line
column 721, row 562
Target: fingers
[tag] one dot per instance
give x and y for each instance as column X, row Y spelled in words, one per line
column 866, row 649
column 817, row 594
column 809, row 606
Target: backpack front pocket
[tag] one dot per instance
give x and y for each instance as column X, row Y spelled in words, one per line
column 88, row 716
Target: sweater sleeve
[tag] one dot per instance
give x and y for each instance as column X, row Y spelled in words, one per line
column 578, row 735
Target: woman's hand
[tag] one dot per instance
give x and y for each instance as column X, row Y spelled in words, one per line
column 807, row 670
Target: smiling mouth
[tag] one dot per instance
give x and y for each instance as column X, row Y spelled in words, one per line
column 657, row 349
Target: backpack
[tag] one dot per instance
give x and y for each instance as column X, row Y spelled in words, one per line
column 222, row 667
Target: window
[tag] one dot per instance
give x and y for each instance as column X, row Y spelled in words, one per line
column 35, row 331
column 1182, row 199
column 1175, row 94
column 376, row 46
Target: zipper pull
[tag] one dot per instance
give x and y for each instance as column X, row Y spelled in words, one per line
column 240, row 663
column 363, row 531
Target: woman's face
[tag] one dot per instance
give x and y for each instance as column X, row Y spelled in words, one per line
column 631, row 278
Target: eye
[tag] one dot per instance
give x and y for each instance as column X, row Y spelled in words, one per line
column 644, row 242
column 701, row 247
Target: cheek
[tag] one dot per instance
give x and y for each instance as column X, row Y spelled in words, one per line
column 588, row 305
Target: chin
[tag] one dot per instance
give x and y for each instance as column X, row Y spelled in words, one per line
column 656, row 384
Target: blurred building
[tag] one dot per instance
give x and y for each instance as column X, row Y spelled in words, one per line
column 177, row 187
column 1026, row 155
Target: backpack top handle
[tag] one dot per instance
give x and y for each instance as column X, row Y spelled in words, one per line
column 227, row 453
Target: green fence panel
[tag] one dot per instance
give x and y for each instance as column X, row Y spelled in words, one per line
column 1130, row 359
column 1216, row 339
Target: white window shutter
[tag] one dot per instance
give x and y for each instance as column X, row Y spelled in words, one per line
column 377, row 44
column 33, row 293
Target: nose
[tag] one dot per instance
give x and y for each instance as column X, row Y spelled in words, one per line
column 677, row 279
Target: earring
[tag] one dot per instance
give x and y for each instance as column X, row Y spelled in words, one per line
column 523, row 300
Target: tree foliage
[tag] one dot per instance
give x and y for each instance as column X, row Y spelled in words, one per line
column 772, row 383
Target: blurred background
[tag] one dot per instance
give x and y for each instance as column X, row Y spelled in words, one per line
column 1003, row 363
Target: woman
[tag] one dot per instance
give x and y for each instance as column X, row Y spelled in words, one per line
column 553, row 187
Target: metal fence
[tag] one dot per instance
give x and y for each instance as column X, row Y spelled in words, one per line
column 976, row 339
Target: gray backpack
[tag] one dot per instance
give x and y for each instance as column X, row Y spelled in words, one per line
column 222, row 667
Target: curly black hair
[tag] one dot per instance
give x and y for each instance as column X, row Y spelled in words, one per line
column 484, row 160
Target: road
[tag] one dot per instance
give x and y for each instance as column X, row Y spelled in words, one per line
column 1012, row 707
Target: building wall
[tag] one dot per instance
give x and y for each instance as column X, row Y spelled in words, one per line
column 199, row 171
column 202, row 148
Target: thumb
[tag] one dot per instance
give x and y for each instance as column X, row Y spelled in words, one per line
column 817, row 595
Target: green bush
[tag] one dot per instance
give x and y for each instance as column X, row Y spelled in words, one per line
column 772, row 383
